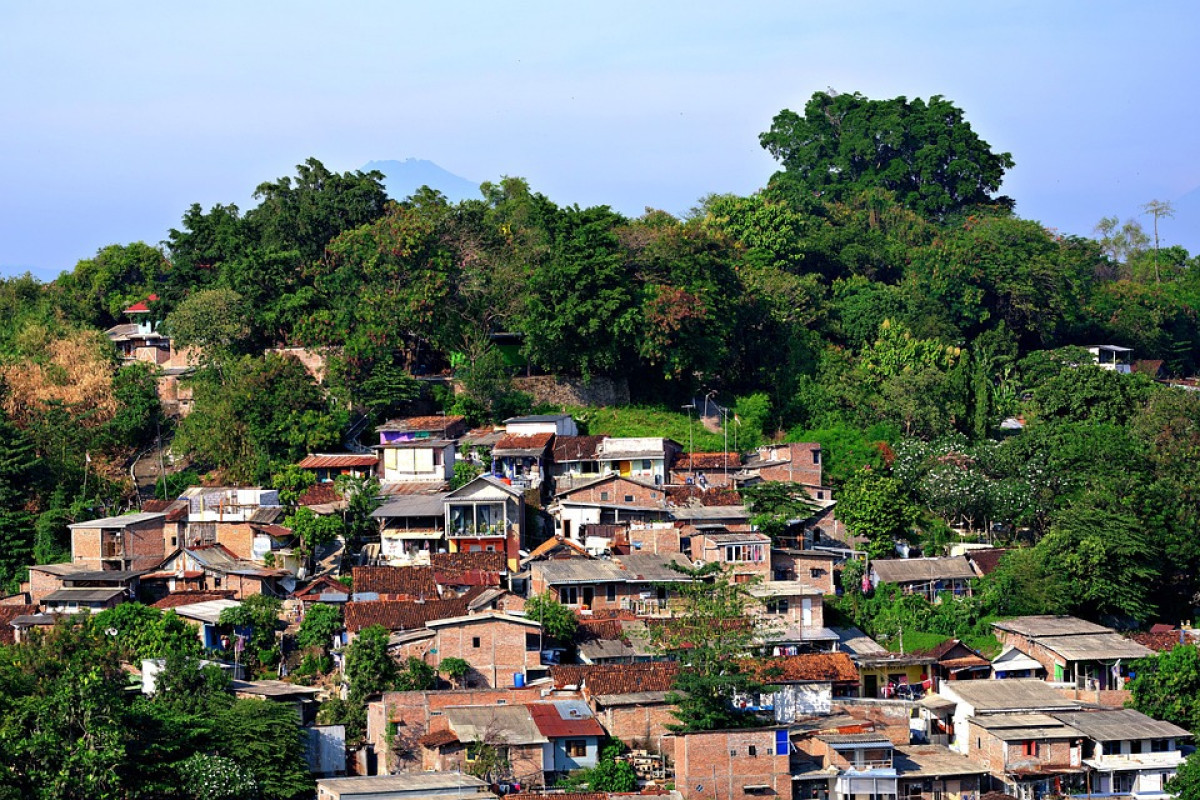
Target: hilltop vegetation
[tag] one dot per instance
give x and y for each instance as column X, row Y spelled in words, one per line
column 878, row 296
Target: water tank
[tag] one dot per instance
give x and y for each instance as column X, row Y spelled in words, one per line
column 519, row 680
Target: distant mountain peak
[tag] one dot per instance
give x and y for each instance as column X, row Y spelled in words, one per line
column 403, row 178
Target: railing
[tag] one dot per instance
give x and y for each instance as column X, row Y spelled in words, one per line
column 477, row 530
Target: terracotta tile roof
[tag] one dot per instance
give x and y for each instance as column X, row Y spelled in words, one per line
column 412, row 582
column 434, row 424
column 515, row 441
column 606, row 679
column 408, row 488
column 319, row 494
column 404, row 615
column 176, row 509
column 320, row 585
column 7, row 615
column 576, row 448
column 986, row 561
column 708, row 461
column 835, row 667
column 553, row 725
column 1159, row 642
column 338, row 461
column 562, row 796
column 682, row 495
column 556, row 542
column 185, row 598
column 441, row 738
column 459, row 562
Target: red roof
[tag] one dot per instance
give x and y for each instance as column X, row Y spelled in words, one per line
column 809, row 667
column 449, row 563
column 412, row 582
column 533, row 441
column 141, row 307
column 186, row 598
column 321, row 585
column 339, row 461
column 553, row 725
column 576, row 448
column 423, row 424
column 441, row 738
column 1159, row 642
column 7, row 615
column 708, row 461
column 654, row 676
column 319, row 494
column 404, row 615
column 714, row 496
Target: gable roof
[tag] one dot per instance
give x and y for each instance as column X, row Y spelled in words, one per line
column 1023, row 727
column 1009, row 695
column 191, row 597
column 1117, row 724
column 7, row 615
column 986, row 561
column 511, row 725
column 911, row 570
column 1049, row 625
column 707, row 461
column 449, row 564
column 486, row 478
column 337, row 461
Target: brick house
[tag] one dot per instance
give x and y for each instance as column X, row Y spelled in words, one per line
column 410, row 715
column 1127, row 752
column 411, row 429
column 573, row 460
column 706, row 469
column 644, row 458
column 928, row 577
column 219, row 568
column 636, row 582
column 733, row 765
column 47, row 578
column 814, row 567
column 607, row 500
column 329, row 466
column 629, row 700
column 884, row 674
column 745, row 555
column 503, row 650
column 394, row 583
column 793, row 462
column 1073, row 650
column 523, row 460
column 423, row 461
column 129, row 542
column 408, row 615
column 966, row 701
column 510, row 729
column 806, row 683
column 1029, row 754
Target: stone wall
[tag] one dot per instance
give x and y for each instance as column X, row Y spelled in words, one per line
column 557, row 390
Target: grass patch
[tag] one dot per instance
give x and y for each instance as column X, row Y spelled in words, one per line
column 915, row 640
column 623, row 421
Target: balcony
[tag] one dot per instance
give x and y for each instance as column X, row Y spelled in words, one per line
column 478, row 532
column 112, row 550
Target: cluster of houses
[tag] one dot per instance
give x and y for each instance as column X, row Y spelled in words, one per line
column 614, row 529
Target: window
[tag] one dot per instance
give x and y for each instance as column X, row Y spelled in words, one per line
column 777, row 606
column 532, row 642
column 816, row 573
column 816, row 456
column 475, row 641
column 744, row 552
column 1159, row 745
column 610, row 592
column 576, row 748
column 647, row 465
column 569, row 595
column 603, row 496
column 491, row 548
column 752, row 751
column 820, row 495
column 628, row 498
column 1030, row 748
column 733, row 753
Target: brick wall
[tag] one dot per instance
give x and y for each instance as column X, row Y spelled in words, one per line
column 889, row 717
column 620, row 491
column 796, row 465
column 999, row 758
column 706, row 549
column 418, row 713
column 1034, row 650
column 800, row 565
column 654, row 539
column 142, row 545
column 238, row 537
column 640, row 726
column 42, row 584
column 718, row 765
column 499, row 655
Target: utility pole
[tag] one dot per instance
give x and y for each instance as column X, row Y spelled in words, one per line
column 1158, row 208
column 691, row 445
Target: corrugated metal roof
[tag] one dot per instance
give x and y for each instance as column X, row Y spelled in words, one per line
column 710, row 512
column 654, row 566
column 565, row 718
column 1048, row 625
column 1094, row 646
column 580, row 570
column 1013, row 694
column 911, row 570
column 417, row 505
column 82, row 595
column 120, row 522
column 1109, row 725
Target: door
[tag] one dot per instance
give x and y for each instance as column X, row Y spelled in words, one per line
column 589, row 594
column 870, row 685
column 806, row 613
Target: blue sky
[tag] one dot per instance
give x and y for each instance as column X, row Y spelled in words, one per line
column 119, row 115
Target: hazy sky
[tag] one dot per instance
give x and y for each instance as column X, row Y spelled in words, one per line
column 118, row 115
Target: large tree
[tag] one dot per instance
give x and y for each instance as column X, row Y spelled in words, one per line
column 925, row 152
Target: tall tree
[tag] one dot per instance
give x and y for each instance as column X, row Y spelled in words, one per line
column 925, row 152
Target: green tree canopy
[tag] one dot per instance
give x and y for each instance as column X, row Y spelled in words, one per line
column 925, row 152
